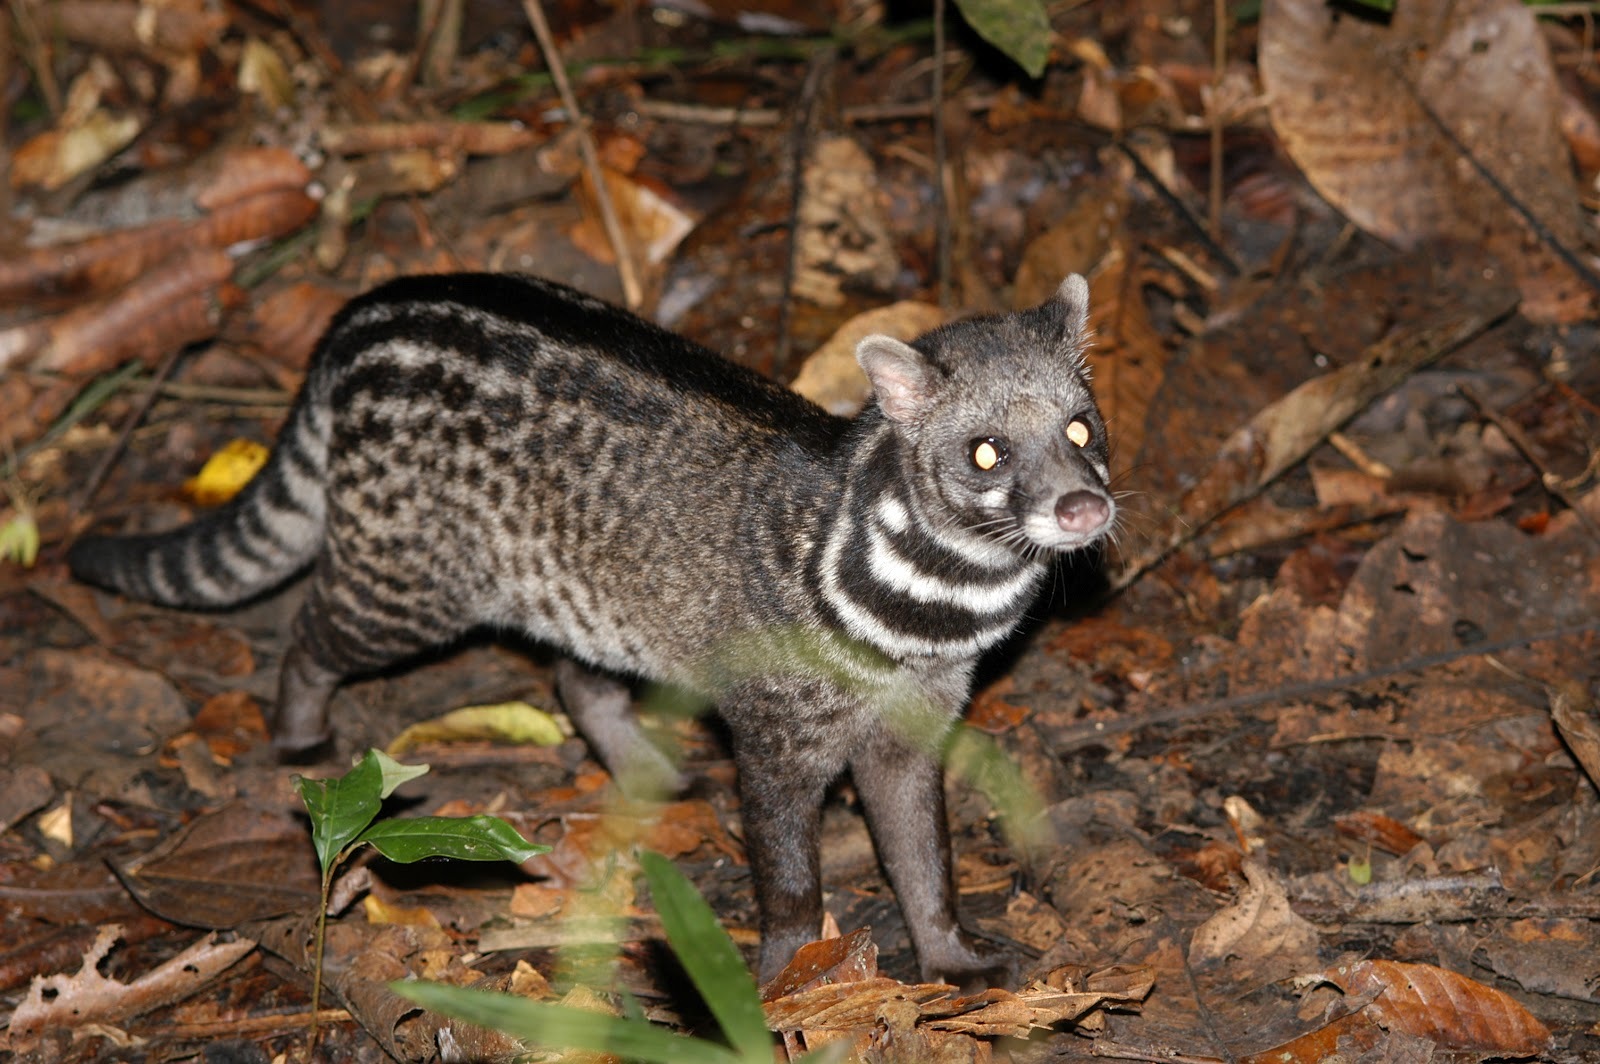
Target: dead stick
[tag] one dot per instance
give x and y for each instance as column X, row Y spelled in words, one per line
column 1519, row 439
column 1219, row 60
column 801, row 136
column 941, row 161
column 257, row 1025
column 1195, row 225
column 109, row 459
column 631, row 292
column 1097, row 731
column 855, row 114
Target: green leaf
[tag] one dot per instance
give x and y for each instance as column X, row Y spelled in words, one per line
column 394, row 773
column 1019, row 28
column 564, row 1027
column 710, row 957
column 341, row 807
column 464, row 838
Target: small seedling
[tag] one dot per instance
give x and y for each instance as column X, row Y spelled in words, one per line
column 343, row 811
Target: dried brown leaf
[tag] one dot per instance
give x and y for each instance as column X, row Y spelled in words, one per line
column 1350, row 100
column 56, row 156
column 1258, row 936
column 113, row 258
column 240, row 173
column 843, row 236
column 1128, row 357
column 1449, row 1009
column 259, row 216
column 846, row 959
column 285, row 326
column 1384, row 832
column 176, row 304
column 831, row 377
column 239, row 863
column 96, row 263
column 1353, row 1033
column 843, row 1006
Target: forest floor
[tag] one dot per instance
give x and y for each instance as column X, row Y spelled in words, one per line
column 1306, row 768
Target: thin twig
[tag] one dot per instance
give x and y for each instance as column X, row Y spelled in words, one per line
column 747, row 117
column 1519, row 439
column 1219, row 59
column 941, row 162
column 631, row 291
column 1201, row 231
column 103, row 467
column 801, row 137
column 1098, row 731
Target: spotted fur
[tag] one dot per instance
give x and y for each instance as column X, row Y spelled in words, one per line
column 497, row 450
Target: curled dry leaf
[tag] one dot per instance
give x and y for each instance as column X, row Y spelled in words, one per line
column 94, row 264
column 844, row 959
column 258, row 217
column 991, row 1014
column 1448, row 1009
column 239, row 173
column 653, row 218
column 264, row 73
column 843, row 237
column 285, row 326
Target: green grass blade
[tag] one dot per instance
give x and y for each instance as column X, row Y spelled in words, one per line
column 564, row 1027
column 710, row 957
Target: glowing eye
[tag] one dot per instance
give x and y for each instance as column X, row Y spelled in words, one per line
column 1079, row 433
column 988, row 453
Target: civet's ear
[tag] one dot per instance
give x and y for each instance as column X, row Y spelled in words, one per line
column 901, row 378
column 1071, row 305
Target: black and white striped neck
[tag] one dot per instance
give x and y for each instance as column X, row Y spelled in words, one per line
column 895, row 578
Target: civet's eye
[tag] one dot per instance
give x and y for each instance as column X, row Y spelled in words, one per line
column 988, row 452
column 1079, row 432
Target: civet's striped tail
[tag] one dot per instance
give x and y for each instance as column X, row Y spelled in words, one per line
column 269, row 531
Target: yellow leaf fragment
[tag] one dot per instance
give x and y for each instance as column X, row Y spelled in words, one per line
column 19, row 540
column 56, row 824
column 381, row 912
column 508, row 722
column 226, row 472
column 263, row 73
